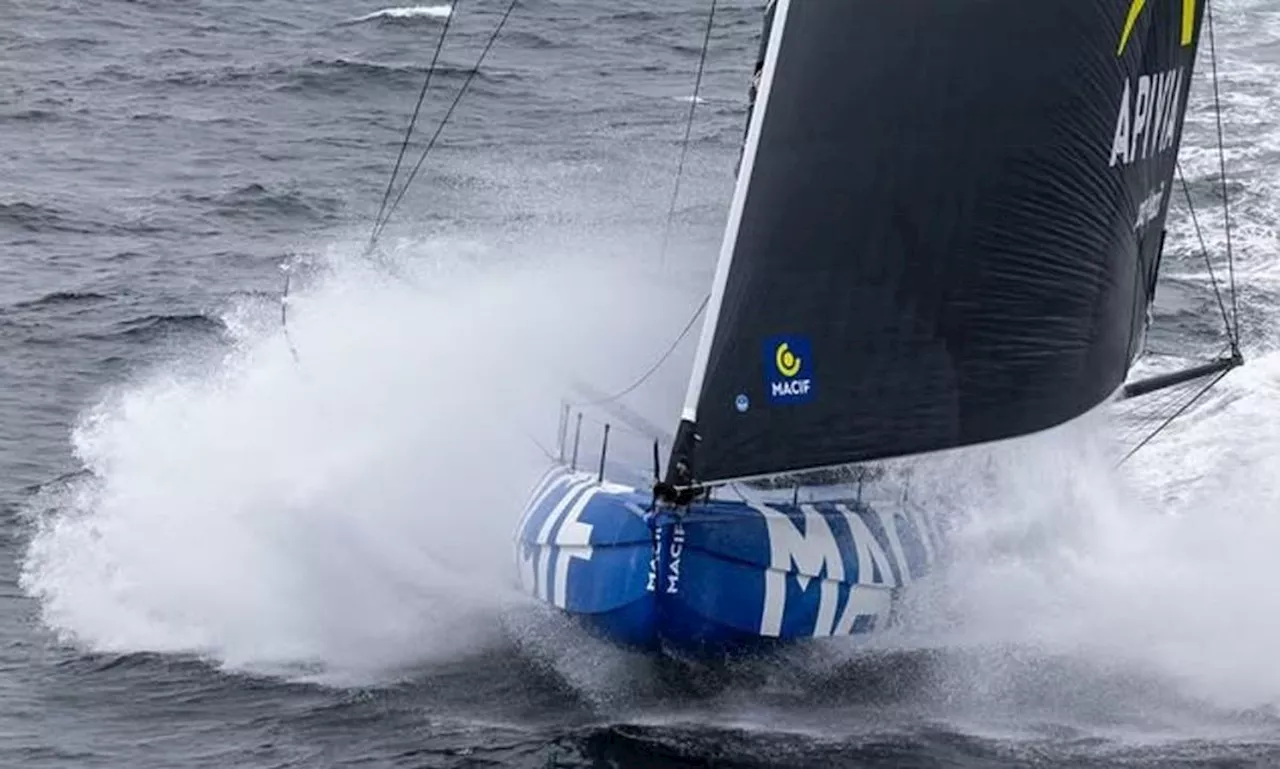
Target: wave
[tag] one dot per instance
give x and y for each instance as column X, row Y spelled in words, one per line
column 406, row 15
column 62, row 44
column 321, row 75
column 34, row 217
column 151, row 328
column 61, row 299
column 525, row 39
column 345, row 516
column 32, row 115
column 39, row 218
column 255, row 201
column 336, row 73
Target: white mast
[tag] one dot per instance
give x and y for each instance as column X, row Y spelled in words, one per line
column 730, row 241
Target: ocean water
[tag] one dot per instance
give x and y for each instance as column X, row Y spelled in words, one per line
column 228, row 546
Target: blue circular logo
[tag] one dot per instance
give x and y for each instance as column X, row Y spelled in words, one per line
column 741, row 403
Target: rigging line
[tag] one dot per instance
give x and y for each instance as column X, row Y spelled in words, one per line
column 1159, row 408
column 1222, row 173
column 1173, row 416
column 493, row 38
column 1204, row 249
column 1154, row 406
column 645, row 376
column 413, row 121
column 688, row 130
column 671, row 210
column 618, row 428
column 548, row 453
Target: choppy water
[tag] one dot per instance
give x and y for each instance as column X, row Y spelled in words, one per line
column 254, row 562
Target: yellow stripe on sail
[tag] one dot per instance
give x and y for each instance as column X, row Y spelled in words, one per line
column 1134, row 11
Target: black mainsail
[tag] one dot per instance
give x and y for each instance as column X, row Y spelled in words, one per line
column 946, row 228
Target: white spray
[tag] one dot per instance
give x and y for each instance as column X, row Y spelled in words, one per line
column 353, row 513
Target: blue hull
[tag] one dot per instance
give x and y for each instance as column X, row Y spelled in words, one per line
column 723, row 577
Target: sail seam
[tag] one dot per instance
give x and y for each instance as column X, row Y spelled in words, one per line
column 703, row 355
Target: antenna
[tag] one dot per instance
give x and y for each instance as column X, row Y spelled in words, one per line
column 577, row 436
column 564, row 428
column 604, row 450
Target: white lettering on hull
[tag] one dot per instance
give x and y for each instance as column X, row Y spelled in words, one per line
column 656, row 545
column 574, row 540
column 890, row 524
column 809, row 551
column 546, row 553
column 816, row 548
column 673, row 562
column 802, row 549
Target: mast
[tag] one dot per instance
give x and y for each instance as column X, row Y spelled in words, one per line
column 945, row 230
column 679, row 467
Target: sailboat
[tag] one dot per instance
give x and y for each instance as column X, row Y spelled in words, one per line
column 946, row 231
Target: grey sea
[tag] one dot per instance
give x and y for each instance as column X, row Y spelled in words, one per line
column 245, row 526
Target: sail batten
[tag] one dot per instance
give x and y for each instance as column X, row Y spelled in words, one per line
column 945, row 230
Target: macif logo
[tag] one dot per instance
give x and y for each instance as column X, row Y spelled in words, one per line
column 788, row 365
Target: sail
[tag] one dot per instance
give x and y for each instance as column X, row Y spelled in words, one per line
column 945, row 231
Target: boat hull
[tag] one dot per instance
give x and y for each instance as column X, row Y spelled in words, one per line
column 721, row 576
